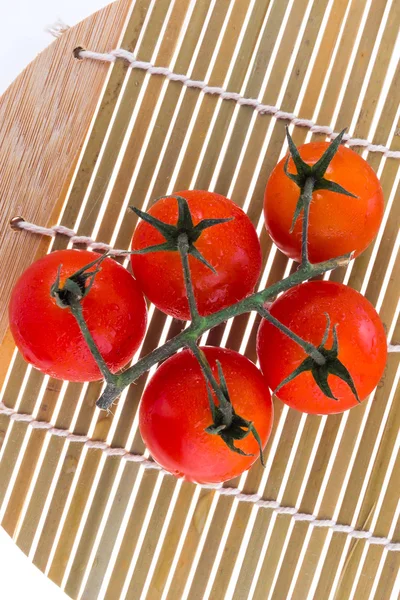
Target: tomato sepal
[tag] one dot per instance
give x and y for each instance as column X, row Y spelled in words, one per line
column 320, row 372
column 303, row 169
column 298, row 179
column 165, row 247
column 331, row 186
column 311, row 177
column 320, row 375
column 171, row 233
column 228, row 425
column 165, row 229
column 229, row 433
column 70, row 295
column 77, row 285
column 305, row 366
column 195, row 252
column 206, row 223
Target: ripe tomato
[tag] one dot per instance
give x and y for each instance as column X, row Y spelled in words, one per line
column 49, row 337
column 174, row 413
column 338, row 224
column 232, row 248
column 361, row 338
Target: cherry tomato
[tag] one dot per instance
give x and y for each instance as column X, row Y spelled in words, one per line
column 174, row 414
column 232, row 248
column 338, row 224
column 361, row 339
column 49, row 337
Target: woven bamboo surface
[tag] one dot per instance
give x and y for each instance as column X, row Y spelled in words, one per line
column 101, row 527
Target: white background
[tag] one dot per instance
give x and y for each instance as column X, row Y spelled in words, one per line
column 22, row 29
column 22, row 37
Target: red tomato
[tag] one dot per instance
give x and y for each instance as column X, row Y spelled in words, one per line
column 338, row 224
column 232, row 248
column 361, row 337
column 49, row 337
column 174, row 413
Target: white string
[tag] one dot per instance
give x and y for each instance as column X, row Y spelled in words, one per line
column 75, row 239
column 57, row 28
column 262, row 109
column 240, row 496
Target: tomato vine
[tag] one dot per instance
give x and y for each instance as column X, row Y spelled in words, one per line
column 181, row 238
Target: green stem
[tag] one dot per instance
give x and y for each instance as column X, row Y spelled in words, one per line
column 193, row 332
column 306, row 196
column 124, row 379
column 307, row 346
column 226, row 407
column 76, row 309
column 183, row 247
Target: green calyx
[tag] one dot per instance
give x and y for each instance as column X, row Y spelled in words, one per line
column 226, row 423
column 315, row 172
column 77, row 286
column 171, row 233
column 320, row 372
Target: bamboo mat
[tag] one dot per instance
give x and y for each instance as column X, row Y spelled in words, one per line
column 103, row 527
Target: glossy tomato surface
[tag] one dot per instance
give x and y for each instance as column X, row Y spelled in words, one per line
column 174, row 413
column 232, row 248
column 361, row 337
column 338, row 223
column 49, row 337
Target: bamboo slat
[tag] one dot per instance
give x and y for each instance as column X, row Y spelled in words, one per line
column 101, row 527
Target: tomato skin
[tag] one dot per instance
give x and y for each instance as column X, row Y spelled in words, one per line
column 49, row 337
column 232, row 248
column 361, row 336
column 174, row 413
column 338, row 224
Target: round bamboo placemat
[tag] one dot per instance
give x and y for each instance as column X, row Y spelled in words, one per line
column 82, row 139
